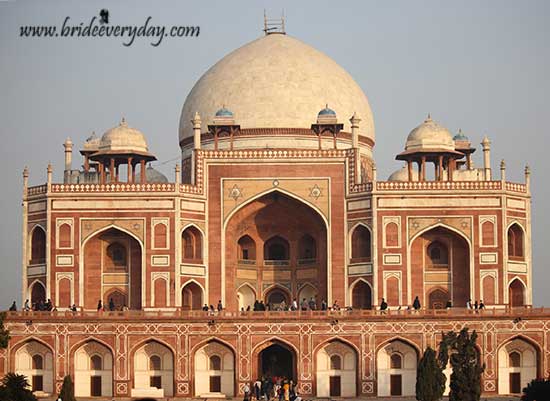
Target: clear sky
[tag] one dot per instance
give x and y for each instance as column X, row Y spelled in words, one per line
column 481, row 66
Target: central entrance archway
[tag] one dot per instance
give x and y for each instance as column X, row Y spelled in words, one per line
column 275, row 240
column 277, row 360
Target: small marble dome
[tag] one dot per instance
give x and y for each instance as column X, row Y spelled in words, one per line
column 430, row 136
column 152, row 175
column 224, row 112
column 461, row 137
column 123, row 139
column 403, row 175
column 326, row 111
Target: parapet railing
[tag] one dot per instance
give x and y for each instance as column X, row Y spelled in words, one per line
column 358, row 188
column 516, row 313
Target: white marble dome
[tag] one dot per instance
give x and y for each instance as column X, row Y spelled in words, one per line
column 430, row 136
column 123, row 139
column 276, row 81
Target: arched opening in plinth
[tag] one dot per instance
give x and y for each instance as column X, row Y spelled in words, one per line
column 277, row 360
column 153, row 370
column 275, row 240
column 214, row 366
column 93, row 370
column 336, row 370
column 396, row 369
column 438, row 298
column 35, row 361
column 517, row 365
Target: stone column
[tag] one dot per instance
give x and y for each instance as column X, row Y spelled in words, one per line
column 68, row 145
column 486, row 144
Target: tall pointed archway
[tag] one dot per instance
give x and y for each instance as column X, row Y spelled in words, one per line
column 440, row 264
column 112, row 270
column 288, row 237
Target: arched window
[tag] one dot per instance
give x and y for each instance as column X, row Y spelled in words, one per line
column 515, row 242
column 116, row 253
column 396, row 361
column 64, row 235
column 307, row 248
column 191, row 246
column 276, row 248
column 392, row 234
column 514, row 359
column 160, row 236
column 38, row 246
column 155, row 363
column 96, row 362
column 37, row 362
column 487, row 233
column 335, row 362
column 361, row 245
column 438, row 254
column 215, row 362
column 247, row 248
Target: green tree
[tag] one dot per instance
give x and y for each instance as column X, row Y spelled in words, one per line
column 430, row 380
column 537, row 390
column 67, row 390
column 467, row 369
column 15, row 387
column 4, row 333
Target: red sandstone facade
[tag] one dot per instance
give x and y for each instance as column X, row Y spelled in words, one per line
column 241, row 224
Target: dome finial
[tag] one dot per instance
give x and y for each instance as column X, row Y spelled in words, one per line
column 429, row 118
column 123, row 122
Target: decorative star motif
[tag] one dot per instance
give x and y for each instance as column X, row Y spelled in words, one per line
column 464, row 224
column 315, row 192
column 275, row 183
column 137, row 226
column 88, row 226
column 415, row 225
column 235, row 193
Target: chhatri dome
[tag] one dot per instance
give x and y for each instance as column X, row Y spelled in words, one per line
column 123, row 139
column 276, row 81
column 429, row 136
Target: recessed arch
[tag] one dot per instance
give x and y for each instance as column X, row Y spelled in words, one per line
column 285, row 292
column 97, row 233
column 192, row 244
column 517, row 292
column 246, row 294
column 460, row 267
column 37, row 292
column 253, row 212
column 396, row 380
column 285, row 352
column 336, row 368
column 272, row 190
column 34, row 359
column 153, row 366
column 361, row 292
column 37, row 245
column 193, row 295
column 515, row 235
column 360, row 245
column 513, row 377
column 276, row 248
column 214, row 378
column 90, row 378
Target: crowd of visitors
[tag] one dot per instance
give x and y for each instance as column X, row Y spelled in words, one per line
column 274, row 388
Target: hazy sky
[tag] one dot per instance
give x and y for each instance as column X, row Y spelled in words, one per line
column 481, row 66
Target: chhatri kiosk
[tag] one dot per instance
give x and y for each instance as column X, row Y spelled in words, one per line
column 277, row 198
